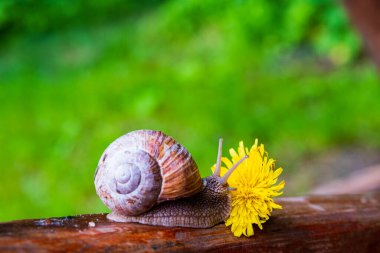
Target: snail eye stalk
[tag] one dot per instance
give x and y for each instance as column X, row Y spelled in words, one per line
column 218, row 159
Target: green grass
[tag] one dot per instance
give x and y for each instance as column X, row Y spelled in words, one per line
column 66, row 95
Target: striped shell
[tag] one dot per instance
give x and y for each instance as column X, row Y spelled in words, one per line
column 143, row 168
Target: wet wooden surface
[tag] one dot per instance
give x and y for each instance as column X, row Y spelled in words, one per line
column 344, row 223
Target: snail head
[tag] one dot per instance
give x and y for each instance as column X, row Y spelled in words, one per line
column 223, row 180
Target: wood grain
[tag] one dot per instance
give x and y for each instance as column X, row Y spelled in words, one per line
column 341, row 223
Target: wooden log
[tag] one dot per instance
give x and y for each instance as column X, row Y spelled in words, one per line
column 364, row 14
column 360, row 181
column 340, row 223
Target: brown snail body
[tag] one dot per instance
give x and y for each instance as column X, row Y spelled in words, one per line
column 145, row 176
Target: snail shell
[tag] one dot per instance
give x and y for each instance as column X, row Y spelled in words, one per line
column 143, row 168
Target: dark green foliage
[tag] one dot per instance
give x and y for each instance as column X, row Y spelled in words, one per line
column 39, row 16
column 270, row 25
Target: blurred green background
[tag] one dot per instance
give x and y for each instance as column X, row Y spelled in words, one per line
column 75, row 75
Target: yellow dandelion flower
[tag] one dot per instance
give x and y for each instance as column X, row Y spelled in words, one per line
column 255, row 182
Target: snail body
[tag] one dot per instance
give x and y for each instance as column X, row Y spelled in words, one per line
column 204, row 209
column 147, row 177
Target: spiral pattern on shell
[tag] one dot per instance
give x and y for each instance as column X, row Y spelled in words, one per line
column 143, row 168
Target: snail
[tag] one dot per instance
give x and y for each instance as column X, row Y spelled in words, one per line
column 146, row 177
